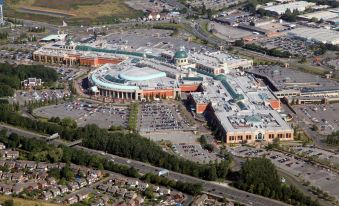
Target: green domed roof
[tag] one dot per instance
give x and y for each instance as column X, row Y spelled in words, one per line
column 180, row 54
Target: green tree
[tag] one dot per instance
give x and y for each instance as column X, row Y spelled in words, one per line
column 9, row 202
column 67, row 173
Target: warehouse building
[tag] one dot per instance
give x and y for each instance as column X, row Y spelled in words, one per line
column 280, row 9
column 318, row 15
column 325, row 36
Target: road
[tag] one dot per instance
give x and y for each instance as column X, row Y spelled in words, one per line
column 214, row 188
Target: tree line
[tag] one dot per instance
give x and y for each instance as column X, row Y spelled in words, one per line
column 129, row 145
column 9, row 115
column 3, row 35
column 254, row 47
column 40, row 151
column 259, row 176
column 136, row 147
column 333, row 139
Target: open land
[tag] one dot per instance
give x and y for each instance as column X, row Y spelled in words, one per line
column 23, row 202
column 73, row 9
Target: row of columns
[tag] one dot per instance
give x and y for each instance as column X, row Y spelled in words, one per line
column 119, row 94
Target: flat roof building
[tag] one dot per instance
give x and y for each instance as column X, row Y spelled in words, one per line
column 254, row 117
column 280, row 9
column 318, row 15
column 218, row 62
column 291, row 84
column 325, row 36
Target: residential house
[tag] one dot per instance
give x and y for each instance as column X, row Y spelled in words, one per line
column 97, row 203
column 105, row 199
column 95, row 173
column 20, row 165
column 2, row 163
column 142, row 186
column 47, row 195
column 131, row 202
column 9, row 154
column 153, row 16
column 6, row 176
column 164, row 191
column 42, row 184
column 55, row 191
column 30, row 165
column 51, row 180
column 33, row 175
column 42, row 175
column 103, row 187
column 113, row 189
column 200, row 200
column 2, row 146
column 82, row 195
column 17, row 177
column 90, row 180
column 131, row 195
column 132, row 182
column 17, row 188
column 139, row 200
column 63, row 189
column 72, row 186
column 6, row 189
column 32, row 186
column 120, row 181
column 42, row 166
column 10, row 164
column 121, row 192
column 71, row 200
column 82, row 182
column 156, row 188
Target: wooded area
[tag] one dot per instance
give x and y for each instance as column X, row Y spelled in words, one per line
column 260, row 176
column 12, row 75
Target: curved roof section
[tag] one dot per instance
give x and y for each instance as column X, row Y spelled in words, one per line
column 181, row 54
column 130, row 77
column 110, row 85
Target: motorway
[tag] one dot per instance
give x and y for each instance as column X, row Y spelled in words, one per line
column 213, row 188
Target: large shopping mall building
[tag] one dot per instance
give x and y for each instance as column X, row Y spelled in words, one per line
column 236, row 104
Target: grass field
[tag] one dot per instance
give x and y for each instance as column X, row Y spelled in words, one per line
column 81, row 10
column 22, row 202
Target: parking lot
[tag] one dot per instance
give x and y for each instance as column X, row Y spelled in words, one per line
column 69, row 74
column 39, row 95
column 325, row 117
column 176, row 137
column 320, row 177
column 316, row 153
column 15, row 55
column 148, row 40
column 194, row 152
column 160, row 116
column 87, row 113
column 284, row 43
column 230, row 33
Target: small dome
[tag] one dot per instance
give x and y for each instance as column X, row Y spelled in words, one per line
column 181, row 54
